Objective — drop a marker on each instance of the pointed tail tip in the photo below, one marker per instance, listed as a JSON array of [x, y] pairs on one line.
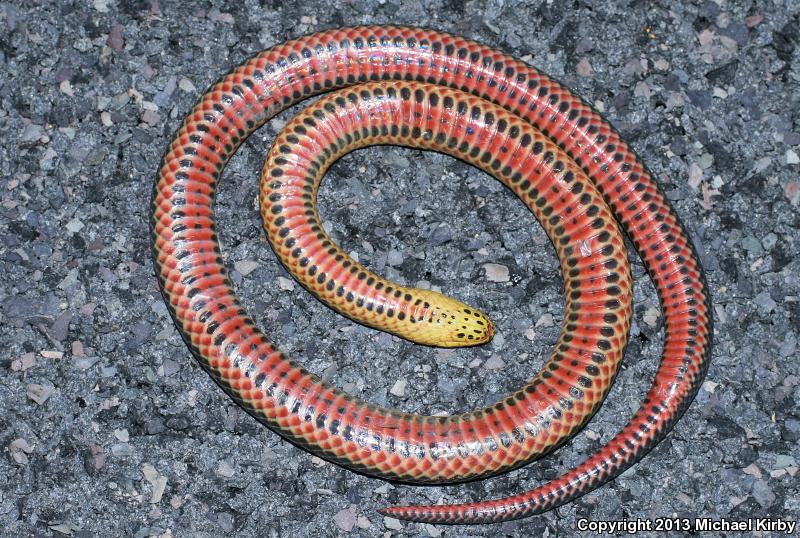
[[397, 512], [426, 514], [404, 513]]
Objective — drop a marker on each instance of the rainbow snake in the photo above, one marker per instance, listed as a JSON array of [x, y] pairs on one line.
[[427, 89]]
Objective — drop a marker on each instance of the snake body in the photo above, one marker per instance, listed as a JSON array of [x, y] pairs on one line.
[[388, 443], [554, 404]]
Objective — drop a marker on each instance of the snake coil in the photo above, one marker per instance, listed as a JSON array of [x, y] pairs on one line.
[[429, 89]]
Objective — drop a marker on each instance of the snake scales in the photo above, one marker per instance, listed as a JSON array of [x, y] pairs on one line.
[[428, 89]]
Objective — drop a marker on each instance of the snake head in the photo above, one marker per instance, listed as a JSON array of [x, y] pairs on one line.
[[468, 327], [451, 323]]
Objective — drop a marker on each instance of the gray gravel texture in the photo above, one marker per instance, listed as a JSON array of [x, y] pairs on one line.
[[110, 428]]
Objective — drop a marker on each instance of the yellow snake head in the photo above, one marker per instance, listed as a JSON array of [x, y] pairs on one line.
[[451, 323]]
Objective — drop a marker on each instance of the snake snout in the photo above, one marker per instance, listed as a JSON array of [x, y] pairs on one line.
[[474, 327], [489, 332]]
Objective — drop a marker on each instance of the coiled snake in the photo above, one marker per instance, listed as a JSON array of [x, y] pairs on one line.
[[427, 89]]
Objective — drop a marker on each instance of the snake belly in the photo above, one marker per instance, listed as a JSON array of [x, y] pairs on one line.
[[280, 393]]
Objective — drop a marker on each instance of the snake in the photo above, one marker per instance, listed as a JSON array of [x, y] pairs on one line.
[[429, 89], [547, 410]]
